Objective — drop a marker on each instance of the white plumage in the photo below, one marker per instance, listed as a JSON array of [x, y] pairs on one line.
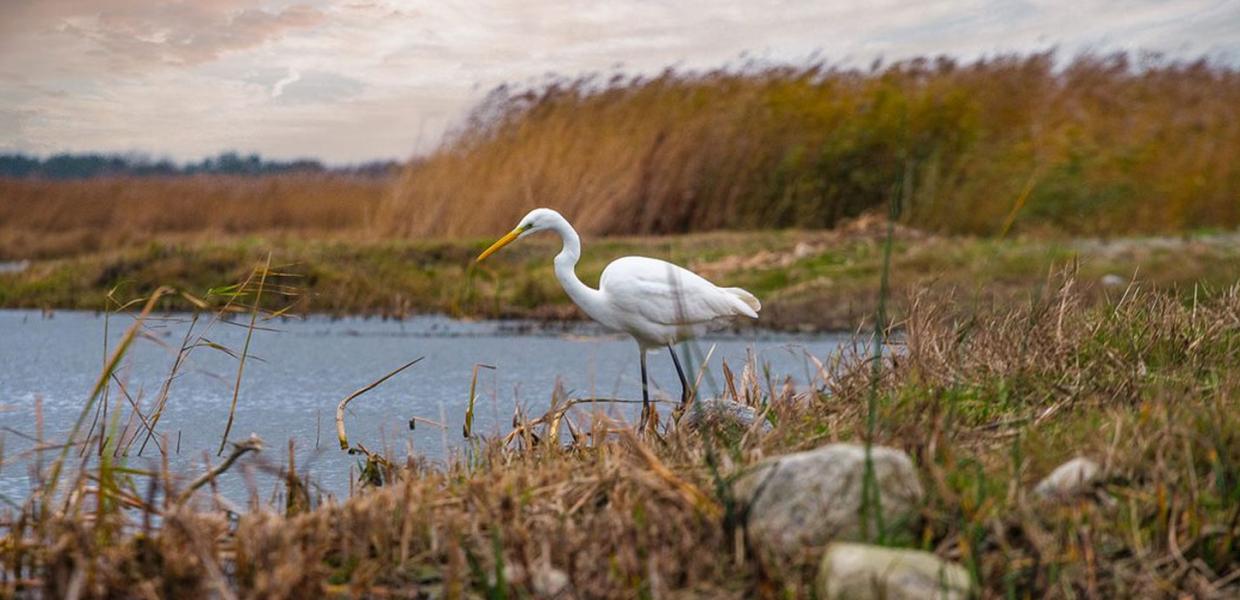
[[659, 303], [656, 302]]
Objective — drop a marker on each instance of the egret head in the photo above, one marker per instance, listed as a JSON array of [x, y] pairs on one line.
[[539, 219]]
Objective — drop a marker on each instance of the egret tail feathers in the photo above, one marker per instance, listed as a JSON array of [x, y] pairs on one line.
[[750, 301]]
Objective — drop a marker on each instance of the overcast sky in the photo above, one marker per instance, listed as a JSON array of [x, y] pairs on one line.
[[354, 80]]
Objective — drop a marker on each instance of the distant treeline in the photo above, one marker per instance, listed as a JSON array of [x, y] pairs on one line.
[[87, 165], [1094, 145]]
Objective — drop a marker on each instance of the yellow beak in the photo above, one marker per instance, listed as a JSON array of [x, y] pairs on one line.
[[500, 243]]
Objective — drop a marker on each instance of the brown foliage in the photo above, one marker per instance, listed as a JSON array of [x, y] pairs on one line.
[[1099, 145], [41, 218]]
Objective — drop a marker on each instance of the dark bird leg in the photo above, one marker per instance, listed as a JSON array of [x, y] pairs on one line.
[[684, 383], [645, 394]]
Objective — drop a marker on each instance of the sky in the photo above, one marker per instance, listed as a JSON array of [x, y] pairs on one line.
[[347, 81]]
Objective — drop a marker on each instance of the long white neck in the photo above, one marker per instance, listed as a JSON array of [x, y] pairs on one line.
[[589, 299]]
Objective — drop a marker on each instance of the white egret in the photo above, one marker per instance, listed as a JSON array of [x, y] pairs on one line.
[[656, 302]]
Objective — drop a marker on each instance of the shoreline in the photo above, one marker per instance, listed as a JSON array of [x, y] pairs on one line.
[[808, 281], [501, 326]]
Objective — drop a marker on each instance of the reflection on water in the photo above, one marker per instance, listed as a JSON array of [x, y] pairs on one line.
[[301, 368]]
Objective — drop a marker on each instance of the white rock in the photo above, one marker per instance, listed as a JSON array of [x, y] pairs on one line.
[[1113, 280], [717, 411], [861, 572], [549, 582], [799, 502], [1072, 478], [14, 266]]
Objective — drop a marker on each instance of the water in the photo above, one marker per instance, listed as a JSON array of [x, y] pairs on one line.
[[300, 370]]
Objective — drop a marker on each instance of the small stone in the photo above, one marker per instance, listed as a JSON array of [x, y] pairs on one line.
[[549, 582], [861, 572], [1073, 478], [713, 412], [798, 502], [512, 573]]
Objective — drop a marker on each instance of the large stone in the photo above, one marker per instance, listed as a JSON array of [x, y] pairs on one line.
[[798, 502], [1074, 478], [861, 572]]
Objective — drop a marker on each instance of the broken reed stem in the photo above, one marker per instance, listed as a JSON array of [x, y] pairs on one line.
[[245, 349], [340, 434], [150, 427], [253, 444]]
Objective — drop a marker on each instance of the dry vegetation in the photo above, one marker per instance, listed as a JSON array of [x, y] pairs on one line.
[[985, 405], [1097, 146], [1100, 145], [46, 219]]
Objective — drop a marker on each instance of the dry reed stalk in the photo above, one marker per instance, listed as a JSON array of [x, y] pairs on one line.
[[245, 350], [468, 427]]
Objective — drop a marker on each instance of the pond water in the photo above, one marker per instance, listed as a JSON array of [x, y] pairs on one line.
[[301, 368]]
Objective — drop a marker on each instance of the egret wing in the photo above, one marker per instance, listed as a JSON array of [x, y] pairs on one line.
[[664, 293]]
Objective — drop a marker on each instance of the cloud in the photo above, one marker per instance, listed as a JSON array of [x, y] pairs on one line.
[[315, 87], [132, 32], [181, 33], [277, 89], [349, 80]]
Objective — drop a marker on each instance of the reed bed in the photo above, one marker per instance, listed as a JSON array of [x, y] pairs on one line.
[[1096, 145], [1109, 144], [47, 219], [986, 405]]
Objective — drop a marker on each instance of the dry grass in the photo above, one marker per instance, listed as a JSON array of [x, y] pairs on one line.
[[1103, 145], [986, 405], [44, 219]]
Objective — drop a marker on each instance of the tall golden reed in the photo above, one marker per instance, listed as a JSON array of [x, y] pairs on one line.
[[1099, 144]]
